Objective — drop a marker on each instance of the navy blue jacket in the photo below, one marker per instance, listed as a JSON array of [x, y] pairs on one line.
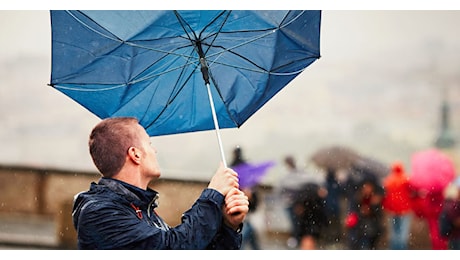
[[115, 215]]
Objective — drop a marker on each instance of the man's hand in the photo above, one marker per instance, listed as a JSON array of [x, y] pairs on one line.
[[236, 208], [224, 180]]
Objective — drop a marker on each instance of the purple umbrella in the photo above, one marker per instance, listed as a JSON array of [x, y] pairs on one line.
[[251, 174]]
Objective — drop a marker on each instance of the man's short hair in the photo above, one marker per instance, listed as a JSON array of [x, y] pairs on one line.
[[109, 142]]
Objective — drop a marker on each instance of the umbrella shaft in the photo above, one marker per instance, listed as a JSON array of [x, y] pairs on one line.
[[216, 125]]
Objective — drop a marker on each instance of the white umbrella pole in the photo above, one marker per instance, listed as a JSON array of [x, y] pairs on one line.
[[205, 73], [216, 125]]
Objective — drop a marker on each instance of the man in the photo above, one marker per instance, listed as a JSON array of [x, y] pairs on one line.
[[119, 211]]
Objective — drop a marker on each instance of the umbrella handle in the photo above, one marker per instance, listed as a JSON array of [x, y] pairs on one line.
[[216, 125]]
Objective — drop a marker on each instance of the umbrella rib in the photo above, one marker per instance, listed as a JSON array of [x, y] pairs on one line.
[[269, 32], [114, 38], [173, 97], [262, 70], [214, 35], [170, 99], [182, 73], [215, 19], [117, 40], [128, 42], [66, 87], [230, 50], [188, 57], [214, 61], [196, 38], [293, 19], [188, 62], [183, 23], [222, 98], [124, 84]]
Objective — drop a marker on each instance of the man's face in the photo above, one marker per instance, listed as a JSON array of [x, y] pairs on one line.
[[150, 165]]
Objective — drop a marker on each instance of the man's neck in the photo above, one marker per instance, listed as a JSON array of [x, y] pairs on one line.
[[134, 178]]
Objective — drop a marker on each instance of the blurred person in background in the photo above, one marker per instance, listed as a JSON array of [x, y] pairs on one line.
[[250, 234], [449, 219], [291, 190], [287, 190], [396, 202], [364, 221], [427, 206], [332, 207], [310, 212]]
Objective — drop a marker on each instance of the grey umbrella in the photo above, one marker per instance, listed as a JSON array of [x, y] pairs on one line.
[[335, 157]]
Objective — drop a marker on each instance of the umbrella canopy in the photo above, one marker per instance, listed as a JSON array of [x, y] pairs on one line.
[[250, 174], [373, 166], [335, 157], [180, 71], [358, 168], [366, 169], [432, 170]]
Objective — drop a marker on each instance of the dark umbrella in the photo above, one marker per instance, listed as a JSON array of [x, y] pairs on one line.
[[367, 169], [358, 168], [335, 157], [180, 71], [372, 166]]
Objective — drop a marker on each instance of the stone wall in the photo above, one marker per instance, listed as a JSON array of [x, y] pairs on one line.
[[50, 192]]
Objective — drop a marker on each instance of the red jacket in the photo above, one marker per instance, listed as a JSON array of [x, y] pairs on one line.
[[397, 191]]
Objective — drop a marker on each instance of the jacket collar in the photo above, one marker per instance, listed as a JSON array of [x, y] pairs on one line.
[[131, 192]]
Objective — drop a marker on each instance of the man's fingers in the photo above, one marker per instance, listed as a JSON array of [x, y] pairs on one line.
[[236, 202]]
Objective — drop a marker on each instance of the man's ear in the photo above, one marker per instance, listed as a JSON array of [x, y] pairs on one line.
[[134, 154]]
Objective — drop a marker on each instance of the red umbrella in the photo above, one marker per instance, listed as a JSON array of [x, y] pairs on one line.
[[432, 170]]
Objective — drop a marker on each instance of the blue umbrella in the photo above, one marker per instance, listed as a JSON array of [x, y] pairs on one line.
[[180, 71]]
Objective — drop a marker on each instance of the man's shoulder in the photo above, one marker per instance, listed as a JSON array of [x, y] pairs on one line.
[[97, 197], [89, 207]]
